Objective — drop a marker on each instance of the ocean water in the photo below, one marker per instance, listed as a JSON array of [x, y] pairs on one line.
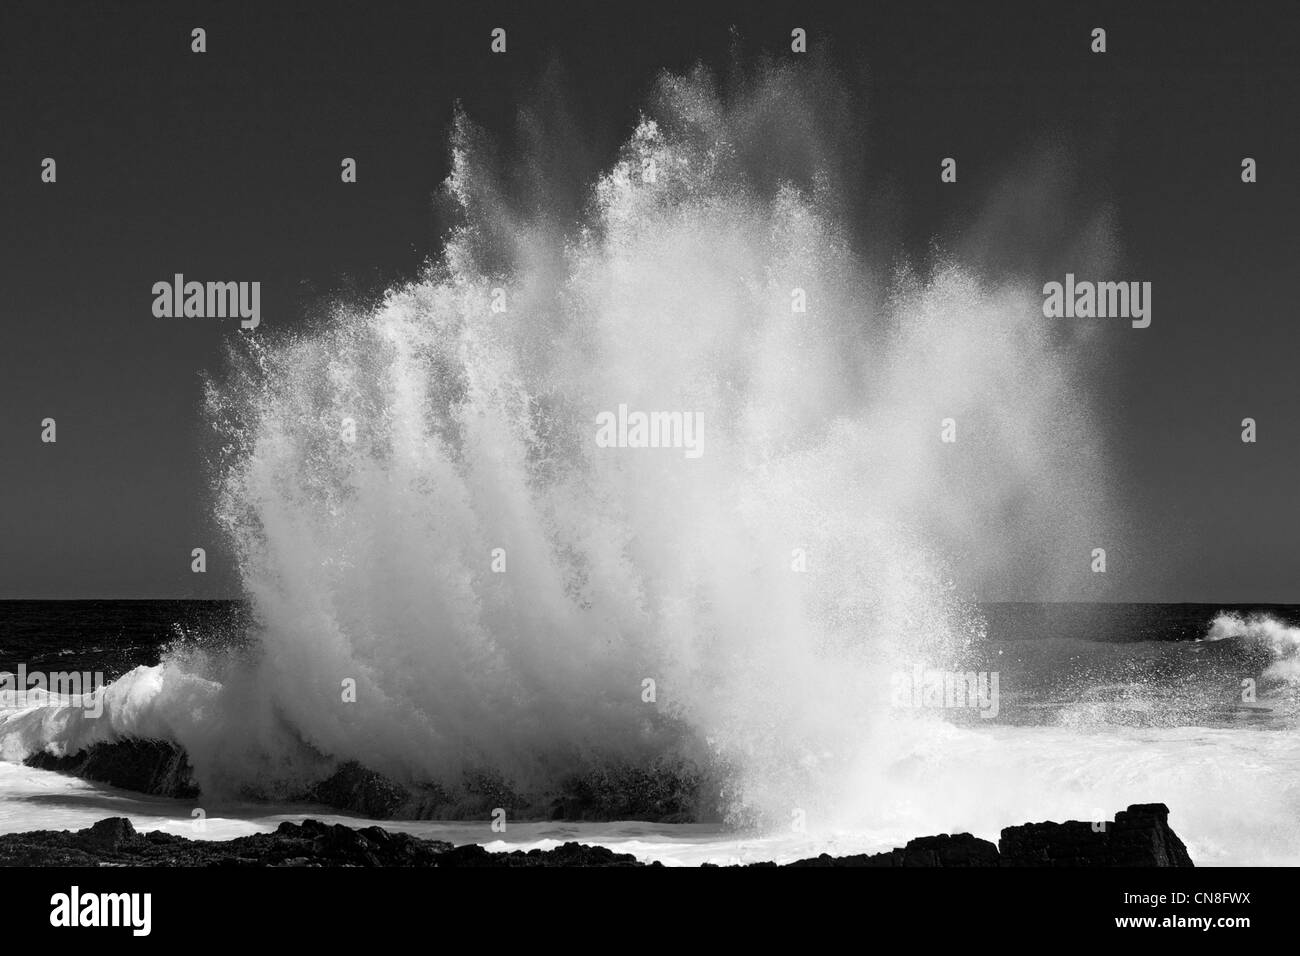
[[1100, 706]]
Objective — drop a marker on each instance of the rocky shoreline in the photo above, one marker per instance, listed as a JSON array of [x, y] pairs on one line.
[[1138, 836]]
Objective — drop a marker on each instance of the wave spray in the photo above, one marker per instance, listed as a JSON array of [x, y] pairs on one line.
[[455, 581]]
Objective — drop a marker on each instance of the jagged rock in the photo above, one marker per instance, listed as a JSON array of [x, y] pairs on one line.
[[567, 854], [148, 766], [354, 788], [114, 841], [109, 835], [1139, 836], [958, 849]]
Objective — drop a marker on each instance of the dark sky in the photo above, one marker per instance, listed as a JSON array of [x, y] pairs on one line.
[[226, 165]]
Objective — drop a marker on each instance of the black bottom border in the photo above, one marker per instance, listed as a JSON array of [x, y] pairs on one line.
[[306, 905]]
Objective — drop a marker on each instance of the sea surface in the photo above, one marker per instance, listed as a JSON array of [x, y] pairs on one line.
[[1099, 706]]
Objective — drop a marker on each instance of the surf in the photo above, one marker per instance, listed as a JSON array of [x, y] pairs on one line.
[[769, 588]]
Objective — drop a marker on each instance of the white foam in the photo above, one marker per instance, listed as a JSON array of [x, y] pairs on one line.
[[1280, 639]]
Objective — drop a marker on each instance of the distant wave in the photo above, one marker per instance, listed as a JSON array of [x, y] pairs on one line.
[[1280, 639]]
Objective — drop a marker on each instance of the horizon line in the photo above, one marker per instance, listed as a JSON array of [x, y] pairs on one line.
[[242, 599]]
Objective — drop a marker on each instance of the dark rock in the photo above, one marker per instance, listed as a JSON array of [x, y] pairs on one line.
[[959, 849], [354, 788], [110, 834], [663, 792], [1139, 836], [567, 854], [471, 854], [148, 766], [312, 843]]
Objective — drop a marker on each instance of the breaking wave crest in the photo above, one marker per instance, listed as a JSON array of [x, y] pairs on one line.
[[1279, 639]]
